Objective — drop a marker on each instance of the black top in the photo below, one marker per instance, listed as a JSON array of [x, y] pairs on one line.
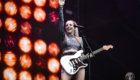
[[67, 41]]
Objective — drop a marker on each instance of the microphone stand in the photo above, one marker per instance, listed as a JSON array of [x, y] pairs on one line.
[[89, 49]]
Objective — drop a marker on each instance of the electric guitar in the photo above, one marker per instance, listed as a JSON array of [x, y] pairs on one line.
[[72, 63]]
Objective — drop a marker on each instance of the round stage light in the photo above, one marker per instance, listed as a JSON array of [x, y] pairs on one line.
[[26, 1], [25, 12], [53, 65], [26, 28], [39, 76], [9, 74], [40, 63], [53, 49], [53, 4], [25, 75], [53, 17], [10, 24], [40, 47], [25, 44], [0, 23], [10, 58], [39, 14], [10, 41], [40, 3], [10, 8], [0, 6], [25, 61], [53, 77]]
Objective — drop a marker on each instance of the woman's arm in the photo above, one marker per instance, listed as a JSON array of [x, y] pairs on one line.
[[61, 20]]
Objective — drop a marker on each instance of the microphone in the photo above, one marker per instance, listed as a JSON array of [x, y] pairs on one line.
[[79, 26]]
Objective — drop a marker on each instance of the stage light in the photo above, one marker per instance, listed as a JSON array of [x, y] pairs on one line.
[[40, 47], [53, 65], [53, 17], [39, 76], [10, 24], [0, 6], [26, 28], [9, 74], [10, 58], [25, 12], [40, 3], [25, 44], [53, 49], [40, 62], [39, 14], [25, 75], [0, 23], [10, 41], [25, 61], [53, 77], [26, 1], [10, 8], [53, 4]]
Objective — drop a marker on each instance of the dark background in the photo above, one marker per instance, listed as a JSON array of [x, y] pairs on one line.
[[106, 22]]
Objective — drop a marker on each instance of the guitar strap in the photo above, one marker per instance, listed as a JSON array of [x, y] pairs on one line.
[[79, 41]]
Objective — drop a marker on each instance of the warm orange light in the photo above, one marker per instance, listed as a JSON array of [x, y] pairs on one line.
[[53, 77], [53, 4], [10, 24], [0, 6], [0, 23], [26, 1], [25, 44], [53, 65], [39, 76], [40, 47], [39, 14], [25, 75], [9, 74], [26, 28], [53, 49], [9, 58], [25, 12], [40, 3], [25, 61], [10, 8]]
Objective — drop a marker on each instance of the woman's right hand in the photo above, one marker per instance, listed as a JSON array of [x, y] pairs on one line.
[[61, 2]]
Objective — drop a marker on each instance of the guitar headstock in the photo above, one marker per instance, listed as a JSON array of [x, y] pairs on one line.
[[107, 47]]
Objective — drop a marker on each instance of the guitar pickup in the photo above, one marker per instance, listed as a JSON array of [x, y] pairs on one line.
[[76, 61], [70, 64]]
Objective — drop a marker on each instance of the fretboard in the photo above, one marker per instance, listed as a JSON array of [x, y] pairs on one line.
[[94, 52]]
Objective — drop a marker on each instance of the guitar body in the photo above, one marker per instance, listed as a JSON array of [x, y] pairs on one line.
[[72, 63]]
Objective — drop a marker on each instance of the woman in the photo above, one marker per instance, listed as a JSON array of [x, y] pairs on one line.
[[69, 44]]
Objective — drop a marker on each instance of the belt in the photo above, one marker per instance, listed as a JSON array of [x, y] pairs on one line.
[[69, 53]]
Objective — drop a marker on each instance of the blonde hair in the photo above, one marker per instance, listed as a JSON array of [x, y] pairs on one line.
[[76, 32]]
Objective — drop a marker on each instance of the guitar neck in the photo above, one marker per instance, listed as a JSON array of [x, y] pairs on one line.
[[94, 52]]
